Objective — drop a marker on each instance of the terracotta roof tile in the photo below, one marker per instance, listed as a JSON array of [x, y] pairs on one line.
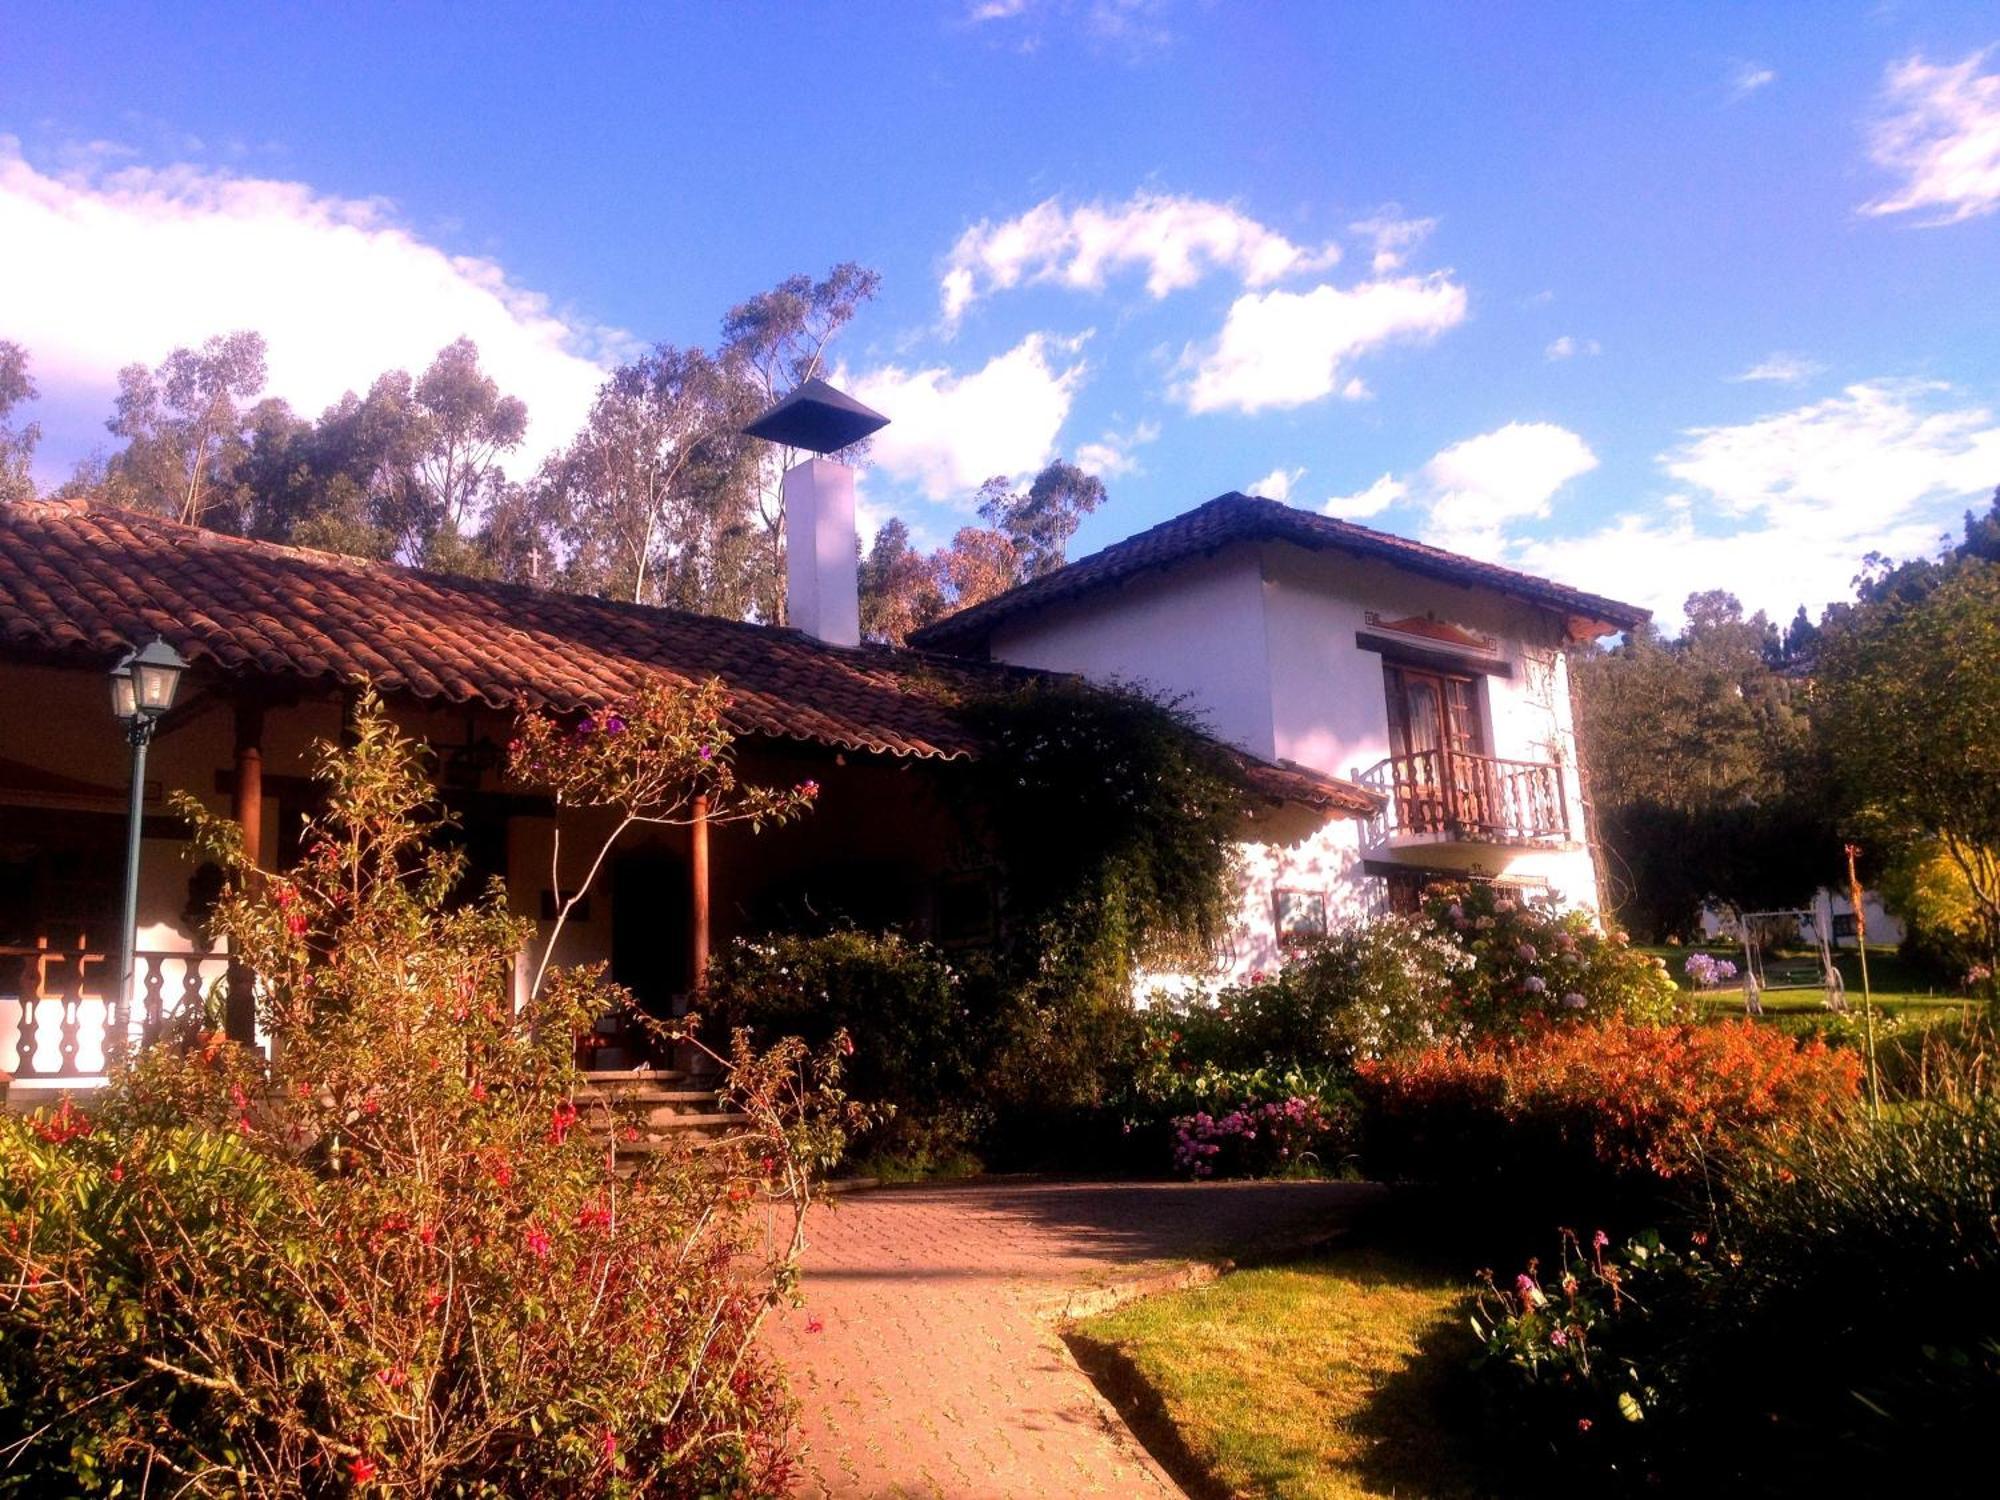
[[77, 578], [1239, 518]]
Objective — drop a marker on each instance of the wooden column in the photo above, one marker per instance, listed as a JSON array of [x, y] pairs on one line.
[[246, 806], [698, 893]]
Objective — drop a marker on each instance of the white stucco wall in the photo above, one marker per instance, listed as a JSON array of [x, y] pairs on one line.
[[1197, 630], [1261, 640]]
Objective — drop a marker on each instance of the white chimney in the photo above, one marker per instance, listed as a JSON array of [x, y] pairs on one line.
[[822, 593], [822, 596]]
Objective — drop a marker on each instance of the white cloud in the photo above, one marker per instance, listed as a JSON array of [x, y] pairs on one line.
[[1476, 487], [1748, 77], [1378, 497], [1281, 348], [1792, 502], [1850, 463], [1176, 241], [1277, 485], [948, 433], [103, 268], [1939, 133], [1393, 238], [1781, 369], [1568, 347], [1111, 455]]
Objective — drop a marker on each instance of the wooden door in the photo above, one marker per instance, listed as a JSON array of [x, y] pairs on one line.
[[1433, 729]]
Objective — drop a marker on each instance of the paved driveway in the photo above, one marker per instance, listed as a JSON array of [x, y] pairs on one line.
[[926, 1357]]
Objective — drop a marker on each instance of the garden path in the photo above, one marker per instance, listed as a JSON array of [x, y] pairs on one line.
[[926, 1356]]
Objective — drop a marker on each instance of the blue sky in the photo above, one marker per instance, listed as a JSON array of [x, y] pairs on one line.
[[1648, 299]]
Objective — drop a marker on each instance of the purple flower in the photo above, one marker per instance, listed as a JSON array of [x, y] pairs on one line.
[[708, 752], [1527, 953], [613, 724], [1534, 984], [1574, 1000]]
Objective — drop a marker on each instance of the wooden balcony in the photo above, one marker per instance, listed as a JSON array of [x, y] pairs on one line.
[[1449, 796], [52, 1003]]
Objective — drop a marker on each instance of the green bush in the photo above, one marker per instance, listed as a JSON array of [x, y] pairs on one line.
[[924, 1032]]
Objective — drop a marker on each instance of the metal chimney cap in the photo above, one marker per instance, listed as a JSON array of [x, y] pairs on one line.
[[819, 418]]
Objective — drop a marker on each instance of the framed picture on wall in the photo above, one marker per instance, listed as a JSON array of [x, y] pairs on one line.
[[1300, 915]]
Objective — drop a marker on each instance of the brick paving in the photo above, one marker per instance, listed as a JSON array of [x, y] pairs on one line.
[[927, 1359]]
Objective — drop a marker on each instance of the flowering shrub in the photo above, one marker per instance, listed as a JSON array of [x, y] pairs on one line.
[[1653, 1102], [397, 1258], [1575, 1360], [1531, 962], [1835, 1329], [1254, 1141], [651, 760], [1707, 971]]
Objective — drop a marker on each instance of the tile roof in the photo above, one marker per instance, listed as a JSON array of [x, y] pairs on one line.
[[85, 582], [1239, 518]]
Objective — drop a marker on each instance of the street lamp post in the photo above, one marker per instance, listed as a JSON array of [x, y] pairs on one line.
[[142, 690]]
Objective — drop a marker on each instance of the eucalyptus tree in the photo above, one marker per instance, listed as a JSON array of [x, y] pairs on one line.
[[771, 344], [184, 427], [650, 499], [17, 443]]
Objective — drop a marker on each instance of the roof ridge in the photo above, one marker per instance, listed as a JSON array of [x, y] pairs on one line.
[[1236, 517]]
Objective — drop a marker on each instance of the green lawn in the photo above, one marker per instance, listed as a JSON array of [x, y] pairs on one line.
[[1321, 1380], [1896, 987]]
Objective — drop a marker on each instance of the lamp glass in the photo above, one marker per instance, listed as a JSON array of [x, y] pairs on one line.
[[124, 696], [156, 686]]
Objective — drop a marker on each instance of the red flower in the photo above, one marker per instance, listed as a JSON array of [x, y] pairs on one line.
[[295, 923], [562, 1122], [536, 1242], [814, 1325], [609, 1443], [360, 1470], [1583, 1424]]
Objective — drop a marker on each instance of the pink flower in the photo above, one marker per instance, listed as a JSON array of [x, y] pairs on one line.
[[1599, 1240], [536, 1242]]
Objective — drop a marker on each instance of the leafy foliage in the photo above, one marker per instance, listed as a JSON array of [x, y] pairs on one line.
[[397, 1258], [1836, 1330], [1600, 1101], [17, 443], [1114, 819], [924, 1032], [1027, 535], [1913, 718], [1704, 768]]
